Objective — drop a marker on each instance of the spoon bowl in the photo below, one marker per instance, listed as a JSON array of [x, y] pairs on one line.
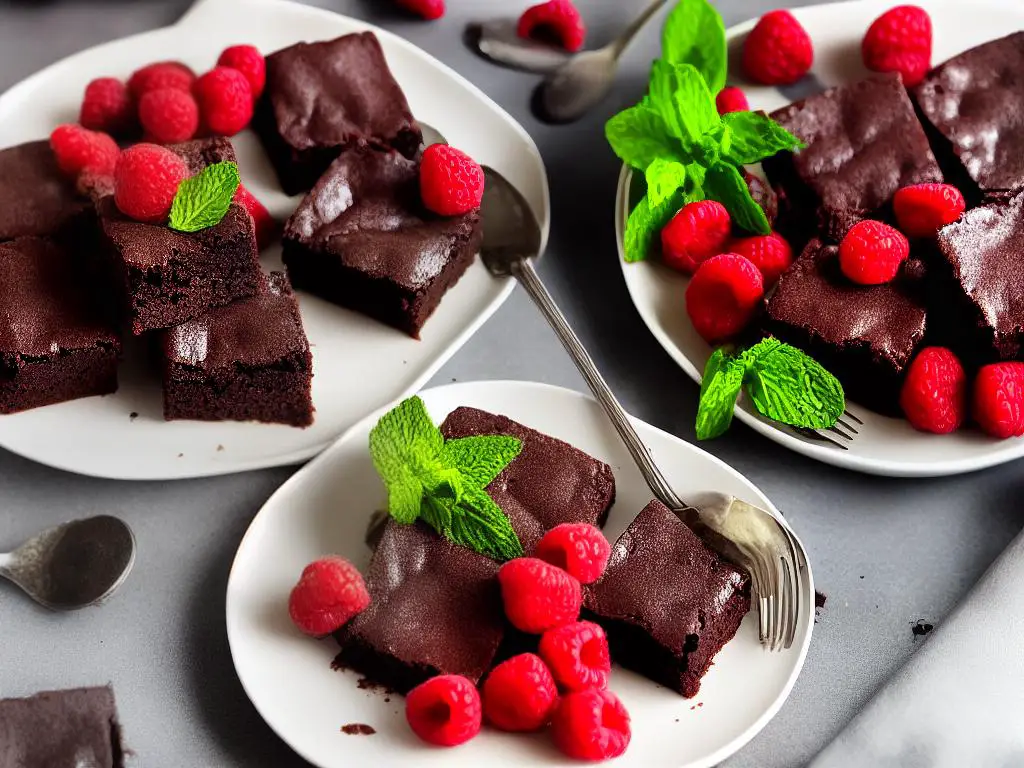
[[580, 85]]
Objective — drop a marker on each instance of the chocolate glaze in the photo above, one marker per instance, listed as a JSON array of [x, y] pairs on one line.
[[975, 103], [35, 197]]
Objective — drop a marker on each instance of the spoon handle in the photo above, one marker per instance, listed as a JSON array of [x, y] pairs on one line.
[[631, 31], [530, 280]]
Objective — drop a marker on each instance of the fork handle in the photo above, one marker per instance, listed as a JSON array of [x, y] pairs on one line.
[[524, 271]]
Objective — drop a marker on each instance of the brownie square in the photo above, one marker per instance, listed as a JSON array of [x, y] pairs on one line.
[[667, 602], [548, 483], [363, 239], [56, 341], [322, 98], [77, 727], [435, 609], [974, 106], [864, 142], [36, 199], [164, 277], [248, 361], [865, 335]]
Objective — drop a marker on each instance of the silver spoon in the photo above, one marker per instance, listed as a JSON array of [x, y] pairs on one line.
[[73, 565], [571, 91], [499, 41]]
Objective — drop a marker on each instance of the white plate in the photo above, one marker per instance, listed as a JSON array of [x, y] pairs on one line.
[[325, 508], [359, 364], [885, 446]]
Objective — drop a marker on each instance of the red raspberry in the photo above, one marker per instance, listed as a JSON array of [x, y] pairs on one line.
[[731, 99], [577, 655], [770, 253], [934, 395], [900, 40], [266, 226], [872, 252], [778, 50], [723, 296], [329, 594], [537, 595], [428, 9], [698, 232], [520, 694], [225, 100], [107, 106], [146, 179], [77, 149], [451, 182], [554, 21], [168, 116], [444, 711], [923, 209], [162, 74], [591, 725], [250, 62], [579, 549], [999, 399]]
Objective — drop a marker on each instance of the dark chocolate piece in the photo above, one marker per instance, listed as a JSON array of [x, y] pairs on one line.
[[36, 199]]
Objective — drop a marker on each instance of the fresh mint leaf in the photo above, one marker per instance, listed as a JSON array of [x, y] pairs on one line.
[[678, 92], [664, 178], [404, 446], [646, 222], [721, 385], [724, 183], [639, 136], [203, 200], [695, 175], [481, 458], [750, 137], [694, 34], [789, 386], [481, 525]]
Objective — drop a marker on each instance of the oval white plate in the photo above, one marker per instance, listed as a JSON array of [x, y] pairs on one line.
[[885, 446], [359, 365], [325, 509]]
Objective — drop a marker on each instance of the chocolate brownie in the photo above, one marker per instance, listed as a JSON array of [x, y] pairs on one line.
[[865, 335], [435, 609], [864, 142], [248, 361], [974, 106], [35, 197], [322, 98], [77, 727], [363, 239], [548, 483], [667, 602], [164, 277], [56, 341]]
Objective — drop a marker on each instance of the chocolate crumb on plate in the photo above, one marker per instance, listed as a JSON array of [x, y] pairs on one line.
[[920, 628], [358, 729]]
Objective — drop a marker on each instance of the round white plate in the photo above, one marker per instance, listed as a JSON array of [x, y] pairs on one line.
[[885, 446], [325, 509], [359, 364]]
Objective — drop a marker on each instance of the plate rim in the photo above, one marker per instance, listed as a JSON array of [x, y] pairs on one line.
[[535, 388]]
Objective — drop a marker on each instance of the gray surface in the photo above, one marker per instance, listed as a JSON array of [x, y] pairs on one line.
[[885, 552]]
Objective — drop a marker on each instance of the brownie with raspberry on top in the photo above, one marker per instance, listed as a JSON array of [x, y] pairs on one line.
[[323, 98], [36, 198], [667, 601]]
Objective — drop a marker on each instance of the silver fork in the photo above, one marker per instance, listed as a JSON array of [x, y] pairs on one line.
[[838, 429]]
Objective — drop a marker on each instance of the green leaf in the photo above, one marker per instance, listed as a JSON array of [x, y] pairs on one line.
[[482, 458], [750, 137], [695, 175], [719, 388], [788, 386], [694, 34], [203, 200], [646, 222], [482, 526], [639, 136], [679, 93], [664, 177], [724, 183]]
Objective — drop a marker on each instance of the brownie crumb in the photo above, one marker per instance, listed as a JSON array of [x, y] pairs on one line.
[[133, 416], [220, 448], [181, 455], [920, 628], [819, 599], [358, 729]]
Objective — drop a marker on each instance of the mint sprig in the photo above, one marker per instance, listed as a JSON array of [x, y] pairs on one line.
[[443, 483], [694, 34], [784, 384], [203, 200]]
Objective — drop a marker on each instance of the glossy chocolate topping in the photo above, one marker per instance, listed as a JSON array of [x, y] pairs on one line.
[[257, 331], [662, 577], [366, 210], [550, 482], [35, 197], [46, 304], [976, 101]]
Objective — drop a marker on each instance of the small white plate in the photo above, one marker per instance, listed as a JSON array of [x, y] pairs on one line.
[[359, 364], [885, 446], [325, 508]]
